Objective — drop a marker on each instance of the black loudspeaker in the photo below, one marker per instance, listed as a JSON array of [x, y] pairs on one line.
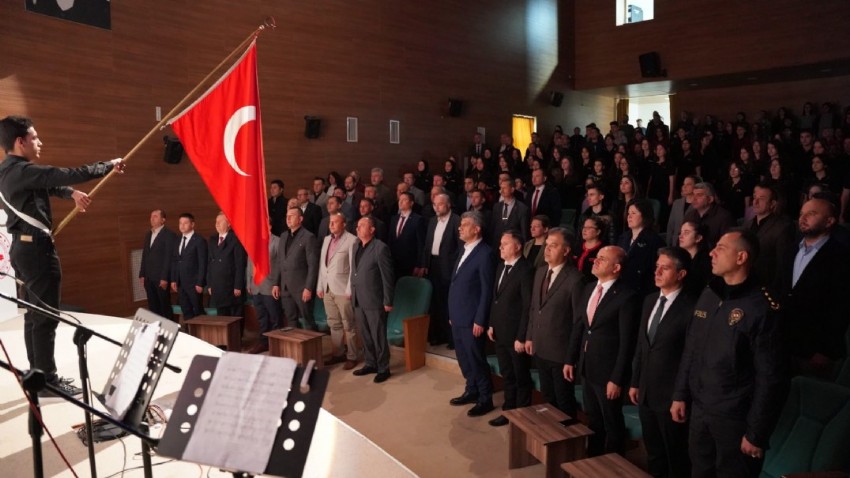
[[556, 98], [173, 150], [650, 65], [312, 125], [455, 108]]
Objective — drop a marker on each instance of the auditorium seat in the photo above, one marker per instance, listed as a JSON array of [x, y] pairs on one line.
[[656, 207], [812, 431], [568, 218], [634, 430], [319, 316], [412, 298], [843, 368]]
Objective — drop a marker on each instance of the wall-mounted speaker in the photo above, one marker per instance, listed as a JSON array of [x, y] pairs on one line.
[[650, 65], [173, 150], [455, 107], [556, 98], [312, 125]]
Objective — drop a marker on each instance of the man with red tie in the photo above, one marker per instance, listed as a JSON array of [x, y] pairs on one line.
[[545, 199], [602, 348], [407, 236]]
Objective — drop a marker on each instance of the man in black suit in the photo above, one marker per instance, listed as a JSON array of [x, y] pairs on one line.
[[226, 270], [554, 304], [407, 237], [372, 288], [189, 267], [367, 206], [296, 271], [469, 313], [509, 323], [602, 348], [436, 261], [706, 212], [544, 199], [661, 339], [277, 207], [155, 269], [509, 214], [312, 213], [477, 148], [775, 233], [813, 289]]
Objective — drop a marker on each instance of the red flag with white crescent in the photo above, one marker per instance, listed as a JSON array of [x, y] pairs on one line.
[[223, 137]]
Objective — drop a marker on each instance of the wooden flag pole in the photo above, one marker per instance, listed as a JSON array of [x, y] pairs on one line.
[[268, 23]]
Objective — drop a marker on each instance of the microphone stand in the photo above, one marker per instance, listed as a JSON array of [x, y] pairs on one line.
[[82, 334]]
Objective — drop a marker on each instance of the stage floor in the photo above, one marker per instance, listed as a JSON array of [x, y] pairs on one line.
[[337, 450]]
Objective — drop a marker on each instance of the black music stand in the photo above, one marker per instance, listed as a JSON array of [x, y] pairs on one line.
[[290, 449]]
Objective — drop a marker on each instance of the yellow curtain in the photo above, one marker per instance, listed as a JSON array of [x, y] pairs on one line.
[[623, 109], [523, 126]]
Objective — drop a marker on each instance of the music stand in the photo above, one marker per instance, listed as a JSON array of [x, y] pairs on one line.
[[290, 449]]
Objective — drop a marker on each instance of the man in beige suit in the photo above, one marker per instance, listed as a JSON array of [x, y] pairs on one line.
[[334, 288]]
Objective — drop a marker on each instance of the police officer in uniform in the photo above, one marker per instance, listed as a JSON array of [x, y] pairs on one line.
[[732, 378]]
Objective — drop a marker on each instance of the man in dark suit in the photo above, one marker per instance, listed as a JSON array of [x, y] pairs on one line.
[[226, 270], [554, 303], [155, 269], [706, 212], [436, 262], [407, 237], [509, 322], [469, 312], [661, 339], [477, 148], [296, 271], [602, 348], [189, 268], [775, 233], [813, 290], [277, 207], [509, 214], [544, 199], [311, 212], [372, 288], [367, 207]]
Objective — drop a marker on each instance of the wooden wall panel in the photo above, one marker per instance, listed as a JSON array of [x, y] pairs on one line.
[[92, 94], [708, 38], [724, 103]]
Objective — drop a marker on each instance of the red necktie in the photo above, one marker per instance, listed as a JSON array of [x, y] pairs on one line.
[[534, 202], [220, 240]]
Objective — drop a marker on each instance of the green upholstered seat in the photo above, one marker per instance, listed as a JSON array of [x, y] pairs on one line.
[[813, 430], [412, 298], [319, 316], [634, 430], [493, 361]]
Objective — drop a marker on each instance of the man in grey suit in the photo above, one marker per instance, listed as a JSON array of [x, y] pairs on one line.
[[508, 214], [372, 287], [266, 305], [555, 298], [334, 289], [679, 208], [295, 272], [776, 234]]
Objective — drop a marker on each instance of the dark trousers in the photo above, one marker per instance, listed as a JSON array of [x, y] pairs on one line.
[[715, 447], [555, 389], [191, 302], [439, 329], [37, 264], [666, 444], [295, 308], [473, 363], [605, 418], [268, 314], [516, 376], [159, 299], [372, 326]]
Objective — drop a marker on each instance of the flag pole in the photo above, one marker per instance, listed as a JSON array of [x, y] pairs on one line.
[[269, 23]]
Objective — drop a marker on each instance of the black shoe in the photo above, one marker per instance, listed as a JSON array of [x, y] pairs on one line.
[[499, 421], [365, 371], [49, 396], [67, 380], [481, 409], [382, 377], [464, 399]]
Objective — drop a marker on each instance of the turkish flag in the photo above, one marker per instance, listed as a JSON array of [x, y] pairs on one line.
[[223, 137]]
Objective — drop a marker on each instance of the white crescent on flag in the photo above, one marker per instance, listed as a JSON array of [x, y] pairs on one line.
[[242, 116]]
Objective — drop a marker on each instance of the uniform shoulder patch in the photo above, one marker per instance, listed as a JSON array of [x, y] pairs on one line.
[[774, 305]]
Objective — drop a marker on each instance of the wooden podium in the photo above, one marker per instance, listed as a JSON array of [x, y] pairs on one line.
[[217, 330], [611, 465], [536, 435], [298, 344]]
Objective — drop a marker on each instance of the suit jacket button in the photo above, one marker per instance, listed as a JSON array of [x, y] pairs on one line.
[[589, 332]]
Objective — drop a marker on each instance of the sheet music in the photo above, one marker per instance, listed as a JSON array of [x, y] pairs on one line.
[[239, 418], [126, 384]]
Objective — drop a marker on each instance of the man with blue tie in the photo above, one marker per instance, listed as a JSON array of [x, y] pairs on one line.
[[469, 306], [189, 268]]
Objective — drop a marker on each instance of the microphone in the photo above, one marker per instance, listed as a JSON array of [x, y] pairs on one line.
[[17, 281]]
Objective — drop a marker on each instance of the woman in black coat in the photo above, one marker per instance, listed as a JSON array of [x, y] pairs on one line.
[[641, 244]]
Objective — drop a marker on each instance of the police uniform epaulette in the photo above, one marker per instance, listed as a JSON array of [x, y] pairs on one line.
[[773, 304]]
